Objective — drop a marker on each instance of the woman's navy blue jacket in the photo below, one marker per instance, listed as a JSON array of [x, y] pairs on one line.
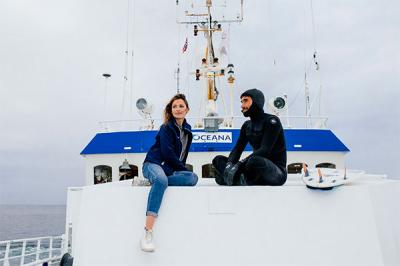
[[168, 147]]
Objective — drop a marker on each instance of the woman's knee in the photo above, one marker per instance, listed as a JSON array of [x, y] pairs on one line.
[[192, 179], [161, 181]]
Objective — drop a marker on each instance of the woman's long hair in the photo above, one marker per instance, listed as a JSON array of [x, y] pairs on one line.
[[168, 109]]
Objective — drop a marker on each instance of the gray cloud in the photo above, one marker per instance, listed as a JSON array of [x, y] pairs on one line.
[[52, 55]]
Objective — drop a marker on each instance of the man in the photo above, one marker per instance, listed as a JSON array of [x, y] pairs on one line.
[[267, 164]]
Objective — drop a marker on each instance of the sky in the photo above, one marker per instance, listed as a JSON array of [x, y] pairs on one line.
[[53, 54]]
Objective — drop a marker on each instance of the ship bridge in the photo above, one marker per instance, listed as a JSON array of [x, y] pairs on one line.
[[106, 153]]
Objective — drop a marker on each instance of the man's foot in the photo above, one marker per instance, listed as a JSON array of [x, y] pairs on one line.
[[219, 179], [242, 180], [228, 179], [146, 243]]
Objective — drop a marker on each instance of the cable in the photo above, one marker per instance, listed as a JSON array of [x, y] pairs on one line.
[[132, 61], [126, 60]]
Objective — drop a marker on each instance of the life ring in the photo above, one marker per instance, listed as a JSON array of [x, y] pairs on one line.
[[66, 260]]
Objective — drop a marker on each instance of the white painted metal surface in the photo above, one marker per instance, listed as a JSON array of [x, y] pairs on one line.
[[198, 159], [357, 224]]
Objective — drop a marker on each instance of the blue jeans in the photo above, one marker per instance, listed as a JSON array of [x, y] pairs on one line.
[[159, 182]]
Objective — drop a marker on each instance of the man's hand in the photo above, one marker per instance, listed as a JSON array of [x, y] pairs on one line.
[[231, 173]]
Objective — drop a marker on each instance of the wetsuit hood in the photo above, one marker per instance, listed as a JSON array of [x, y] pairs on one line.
[[257, 107]]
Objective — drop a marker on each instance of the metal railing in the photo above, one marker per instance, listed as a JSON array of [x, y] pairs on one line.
[[32, 251], [226, 122]]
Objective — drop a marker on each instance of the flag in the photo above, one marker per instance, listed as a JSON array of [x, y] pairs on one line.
[[185, 46]]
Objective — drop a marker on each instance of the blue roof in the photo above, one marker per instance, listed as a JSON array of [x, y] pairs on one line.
[[223, 140]]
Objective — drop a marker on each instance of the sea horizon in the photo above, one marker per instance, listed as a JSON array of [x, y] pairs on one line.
[[20, 221]]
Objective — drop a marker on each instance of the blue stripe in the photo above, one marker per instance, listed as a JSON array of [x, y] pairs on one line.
[[141, 141]]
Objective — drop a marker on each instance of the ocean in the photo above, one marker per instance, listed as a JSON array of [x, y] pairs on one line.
[[26, 221]]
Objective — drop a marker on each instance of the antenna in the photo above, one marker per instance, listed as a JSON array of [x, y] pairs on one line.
[[177, 72], [307, 97], [106, 77], [210, 68]]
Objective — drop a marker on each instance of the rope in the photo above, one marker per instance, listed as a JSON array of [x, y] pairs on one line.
[[301, 85], [269, 28], [313, 27], [126, 60], [179, 52], [228, 43], [189, 61], [132, 60], [222, 98], [317, 66], [304, 43]]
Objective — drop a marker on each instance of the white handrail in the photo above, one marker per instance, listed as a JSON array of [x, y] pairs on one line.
[[196, 122], [20, 249]]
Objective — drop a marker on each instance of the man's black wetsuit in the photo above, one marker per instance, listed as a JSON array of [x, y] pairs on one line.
[[267, 164]]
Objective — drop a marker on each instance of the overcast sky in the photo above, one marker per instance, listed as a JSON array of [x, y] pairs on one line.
[[53, 52]]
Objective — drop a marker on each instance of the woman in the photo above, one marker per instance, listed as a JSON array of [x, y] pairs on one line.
[[164, 164]]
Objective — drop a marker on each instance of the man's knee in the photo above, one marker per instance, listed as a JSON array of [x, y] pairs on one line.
[[261, 171], [256, 162], [254, 168], [219, 161], [220, 180], [278, 180]]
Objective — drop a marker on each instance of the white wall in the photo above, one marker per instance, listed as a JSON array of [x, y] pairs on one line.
[[357, 224], [197, 159]]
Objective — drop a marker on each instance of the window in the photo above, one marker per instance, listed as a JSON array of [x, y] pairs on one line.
[[295, 168], [326, 165], [208, 171], [125, 174], [189, 167], [102, 174]]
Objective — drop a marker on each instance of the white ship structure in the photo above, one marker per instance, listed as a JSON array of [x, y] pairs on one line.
[[355, 224]]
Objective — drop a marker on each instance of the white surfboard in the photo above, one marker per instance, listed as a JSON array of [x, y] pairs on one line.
[[326, 179]]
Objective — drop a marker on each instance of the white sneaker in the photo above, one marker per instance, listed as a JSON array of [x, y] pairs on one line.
[[140, 182], [146, 243]]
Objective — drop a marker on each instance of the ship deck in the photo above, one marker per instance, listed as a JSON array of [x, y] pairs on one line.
[[355, 224]]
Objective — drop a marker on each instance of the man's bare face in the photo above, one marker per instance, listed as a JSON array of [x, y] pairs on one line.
[[246, 103]]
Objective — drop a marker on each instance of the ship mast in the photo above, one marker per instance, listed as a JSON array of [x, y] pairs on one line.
[[212, 92], [210, 69]]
